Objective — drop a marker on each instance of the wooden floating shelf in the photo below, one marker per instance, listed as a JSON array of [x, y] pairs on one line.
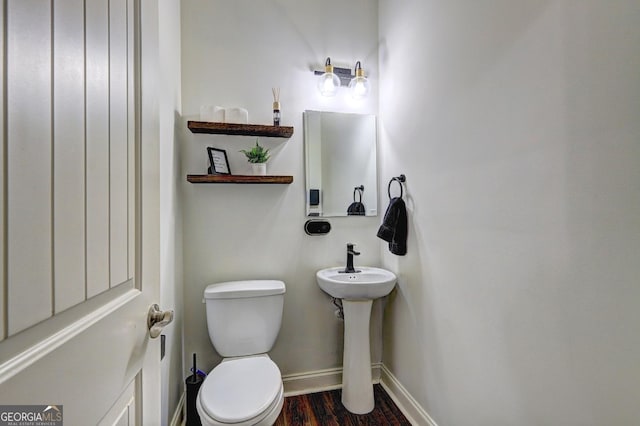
[[239, 179], [240, 129]]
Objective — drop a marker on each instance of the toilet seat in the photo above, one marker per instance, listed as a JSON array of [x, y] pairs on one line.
[[241, 390]]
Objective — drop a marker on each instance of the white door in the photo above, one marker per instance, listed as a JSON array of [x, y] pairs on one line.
[[79, 210]]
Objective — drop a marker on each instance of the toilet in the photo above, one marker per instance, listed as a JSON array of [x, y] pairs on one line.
[[243, 319]]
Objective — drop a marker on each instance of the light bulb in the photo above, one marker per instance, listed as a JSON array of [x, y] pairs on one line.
[[359, 85], [328, 83]]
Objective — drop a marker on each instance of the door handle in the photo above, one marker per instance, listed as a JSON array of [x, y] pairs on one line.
[[157, 319]]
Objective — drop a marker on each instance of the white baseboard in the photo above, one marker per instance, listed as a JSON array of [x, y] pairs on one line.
[[403, 399], [178, 415], [312, 381], [320, 380]]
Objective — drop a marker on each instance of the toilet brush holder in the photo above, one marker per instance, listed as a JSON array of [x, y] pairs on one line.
[[193, 384]]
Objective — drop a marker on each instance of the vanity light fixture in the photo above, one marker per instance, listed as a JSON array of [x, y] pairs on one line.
[[333, 77], [359, 85]]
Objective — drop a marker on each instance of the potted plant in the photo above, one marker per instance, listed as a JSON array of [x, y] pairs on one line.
[[257, 157]]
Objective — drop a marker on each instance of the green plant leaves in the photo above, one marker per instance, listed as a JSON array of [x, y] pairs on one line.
[[257, 154]]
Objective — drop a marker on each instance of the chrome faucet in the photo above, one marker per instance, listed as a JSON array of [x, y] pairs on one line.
[[350, 253]]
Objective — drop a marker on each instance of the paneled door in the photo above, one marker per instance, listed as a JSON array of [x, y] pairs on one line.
[[79, 209]]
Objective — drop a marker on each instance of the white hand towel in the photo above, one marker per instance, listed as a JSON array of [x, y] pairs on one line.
[[236, 115], [212, 113]]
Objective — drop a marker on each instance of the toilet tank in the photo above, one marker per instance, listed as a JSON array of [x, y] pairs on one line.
[[244, 317]]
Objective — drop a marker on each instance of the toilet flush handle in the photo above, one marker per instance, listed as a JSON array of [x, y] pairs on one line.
[[157, 319]]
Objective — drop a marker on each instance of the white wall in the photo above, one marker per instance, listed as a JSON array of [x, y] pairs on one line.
[[519, 132], [233, 53], [171, 287]]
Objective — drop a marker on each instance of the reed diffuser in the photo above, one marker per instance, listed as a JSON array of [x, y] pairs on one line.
[[276, 105]]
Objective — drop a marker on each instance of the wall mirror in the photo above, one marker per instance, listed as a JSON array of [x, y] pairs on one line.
[[340, 156]]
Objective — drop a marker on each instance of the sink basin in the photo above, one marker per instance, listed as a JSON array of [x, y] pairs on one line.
[[369, 283]]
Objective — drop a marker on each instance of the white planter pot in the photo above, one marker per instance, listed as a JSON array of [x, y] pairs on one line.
[[259, 169]]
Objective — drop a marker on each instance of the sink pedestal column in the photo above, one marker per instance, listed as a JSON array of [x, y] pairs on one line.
[[357, 385]]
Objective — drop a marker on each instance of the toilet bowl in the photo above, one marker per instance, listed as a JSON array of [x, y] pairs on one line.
[[241, 391], [243, 319]]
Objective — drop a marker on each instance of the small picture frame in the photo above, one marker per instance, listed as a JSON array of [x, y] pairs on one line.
[[219, 162]]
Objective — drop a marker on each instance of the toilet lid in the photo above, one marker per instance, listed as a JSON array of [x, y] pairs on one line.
[[240, 389]]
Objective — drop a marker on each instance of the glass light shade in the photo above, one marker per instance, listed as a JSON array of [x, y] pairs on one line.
[[359, 87], [328, 84]]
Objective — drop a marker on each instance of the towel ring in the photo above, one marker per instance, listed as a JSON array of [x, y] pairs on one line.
[[400, 179], [359, 190]]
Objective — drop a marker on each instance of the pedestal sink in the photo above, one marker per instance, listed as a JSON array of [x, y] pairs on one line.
[[357, 291]]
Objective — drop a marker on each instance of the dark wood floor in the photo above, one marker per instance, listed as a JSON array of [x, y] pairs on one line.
[[326, 409]]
